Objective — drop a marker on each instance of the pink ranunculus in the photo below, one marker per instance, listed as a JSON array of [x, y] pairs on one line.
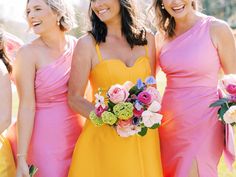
[[145, 98], [154, 93], [138, 113], [99, 110], [231, 89], [227, 80], [117, 94]]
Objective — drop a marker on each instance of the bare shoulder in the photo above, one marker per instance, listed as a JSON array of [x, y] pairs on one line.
[[219, 28], [86, 45], [27, 53]]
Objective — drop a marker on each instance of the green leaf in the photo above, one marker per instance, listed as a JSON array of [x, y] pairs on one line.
[[32, 170], [222, 111], [219, 102], [143, 131], [155, 126]]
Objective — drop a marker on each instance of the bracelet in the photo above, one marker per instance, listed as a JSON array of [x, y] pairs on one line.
[[21, 155]]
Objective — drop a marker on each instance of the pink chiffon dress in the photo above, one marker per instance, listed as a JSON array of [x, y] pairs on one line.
[[56, 126], [191, 134]]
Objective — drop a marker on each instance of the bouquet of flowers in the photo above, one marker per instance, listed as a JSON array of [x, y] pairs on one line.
[[227, 101], [131, 108]]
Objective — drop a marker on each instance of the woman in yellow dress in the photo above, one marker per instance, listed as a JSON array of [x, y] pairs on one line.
[[116, 50], [7, 165]]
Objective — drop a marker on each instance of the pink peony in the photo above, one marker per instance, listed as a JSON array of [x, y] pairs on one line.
[[124, 123], [231, 89], [126, 128], [99, 110], [145, 98], [117, 94], [154, 94]]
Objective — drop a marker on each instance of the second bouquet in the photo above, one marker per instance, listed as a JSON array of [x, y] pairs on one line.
[[129, 108]]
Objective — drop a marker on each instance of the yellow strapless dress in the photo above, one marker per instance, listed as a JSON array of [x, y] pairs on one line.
[[99, 151], [7, 164]]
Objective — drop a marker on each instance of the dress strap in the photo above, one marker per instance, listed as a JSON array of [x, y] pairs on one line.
[[98, 53], [146, 51]]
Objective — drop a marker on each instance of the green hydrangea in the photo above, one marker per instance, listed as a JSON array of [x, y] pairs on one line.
[[95, 119], [109, 118], [123, 111]]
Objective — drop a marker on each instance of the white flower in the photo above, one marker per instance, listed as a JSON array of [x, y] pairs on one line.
[[230, 115], [99, 101], [154, 107], [151, 118]]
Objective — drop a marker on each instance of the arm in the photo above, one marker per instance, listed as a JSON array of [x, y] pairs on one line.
[[5, 97], [25, 86], [152, 52], [158, 44], [80, 70], [223, 40]]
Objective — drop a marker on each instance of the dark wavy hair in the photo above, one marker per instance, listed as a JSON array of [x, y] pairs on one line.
[[134, 34], [3, 55], [166, 22]]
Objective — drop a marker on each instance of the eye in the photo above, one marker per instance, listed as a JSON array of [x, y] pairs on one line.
[[27, 12], [37, 9]]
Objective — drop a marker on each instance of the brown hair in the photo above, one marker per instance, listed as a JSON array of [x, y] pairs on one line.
[[166, 22]]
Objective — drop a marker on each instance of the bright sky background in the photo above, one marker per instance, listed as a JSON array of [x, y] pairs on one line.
[[14, 9]]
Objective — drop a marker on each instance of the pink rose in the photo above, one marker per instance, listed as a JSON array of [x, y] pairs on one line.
[[229, 83], [145, 98], [138, 113], [117, 94], [154, 93], [124, 123], [231, 89]]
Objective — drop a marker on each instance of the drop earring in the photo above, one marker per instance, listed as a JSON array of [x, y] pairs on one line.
[[162, 6]]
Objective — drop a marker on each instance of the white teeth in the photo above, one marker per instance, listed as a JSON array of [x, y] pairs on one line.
[[102, 11], [178, 7], [36, 23]]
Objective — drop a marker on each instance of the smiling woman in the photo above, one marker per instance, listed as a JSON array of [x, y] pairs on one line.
[[43, 111]]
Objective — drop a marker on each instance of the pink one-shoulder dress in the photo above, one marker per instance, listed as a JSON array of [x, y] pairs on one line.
[[56, 126], [191, 134]]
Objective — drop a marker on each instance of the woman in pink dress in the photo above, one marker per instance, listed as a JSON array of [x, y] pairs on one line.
[[47, 127], [192, 48]]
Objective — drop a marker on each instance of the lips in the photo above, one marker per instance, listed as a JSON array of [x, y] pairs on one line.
[[178, 9], [36, 23], [103, 11]]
